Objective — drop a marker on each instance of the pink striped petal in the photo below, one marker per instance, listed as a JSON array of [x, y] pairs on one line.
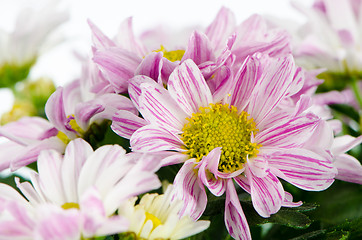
[[50, 176], [235, 219], [207, 167], [153, 139], [127, 40], [30, 128], [349, 168], [253, 36], [151, 66], [30, 153], [95, 220], [220, 28], [55, 223], [267, 193], [105, 105], [54, 109], [118, 65], [158, 107], [259, 166], [345, 143], [243, 182], [293, 133], [199, 49], [275, 78], [134, 88], [304, 169], [99, 39], [288, 201], [75, 155], [245, 81], [189, 188], [125, 123], [189, 87]]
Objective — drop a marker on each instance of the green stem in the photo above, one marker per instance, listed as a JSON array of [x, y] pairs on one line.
[[356, 91]]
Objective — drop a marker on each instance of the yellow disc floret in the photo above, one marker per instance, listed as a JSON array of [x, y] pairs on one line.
[[70, 205], [220, 125], [173, 56]]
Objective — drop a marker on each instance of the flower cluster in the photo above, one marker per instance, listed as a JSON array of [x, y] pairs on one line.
[[233, 119]]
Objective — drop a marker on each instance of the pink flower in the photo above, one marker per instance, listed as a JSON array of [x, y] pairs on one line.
[[235, 135], [332, 37], [84, 185], [71, 111], [214, 50]]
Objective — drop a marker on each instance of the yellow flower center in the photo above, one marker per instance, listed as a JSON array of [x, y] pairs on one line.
[[70, 205], [73, 124], [155, 221], [173, 56], [221, 126]]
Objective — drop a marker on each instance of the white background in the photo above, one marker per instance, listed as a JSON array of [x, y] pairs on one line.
[[60, 64]]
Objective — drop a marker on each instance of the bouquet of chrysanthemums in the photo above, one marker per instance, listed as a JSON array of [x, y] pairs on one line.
[[245, 130]]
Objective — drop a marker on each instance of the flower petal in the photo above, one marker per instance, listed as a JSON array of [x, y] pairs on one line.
[[189, 188], [151, 66], [125, 123], [127, 40], [199, 49], [75, 155], [275, 78], [50, 178], [153, 139], [349, 168], [158, 107], [220, 28], [118, 65], [345, 143], [206, 170], [267, 193], [99, 39], [134, 88], [293, 133], [235, 219], [304, 169], [189, 87]]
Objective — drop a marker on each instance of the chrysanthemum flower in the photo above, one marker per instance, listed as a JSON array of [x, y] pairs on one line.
[[20, 48], [214, 50], [238, 135], [332, 37], [71, 111], [94, 183], [157, 217]]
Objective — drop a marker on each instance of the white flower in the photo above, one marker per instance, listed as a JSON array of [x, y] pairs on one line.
[[157, 217]]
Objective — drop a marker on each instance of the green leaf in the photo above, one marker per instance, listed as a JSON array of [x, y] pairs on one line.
[[291, 217]]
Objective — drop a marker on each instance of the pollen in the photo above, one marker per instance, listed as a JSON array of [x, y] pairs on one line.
[[70, 205], [173, 56], [155, 221], [221, 125]]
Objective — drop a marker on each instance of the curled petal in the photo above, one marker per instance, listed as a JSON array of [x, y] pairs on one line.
[[267, 193], [235, 219], [208, 166]]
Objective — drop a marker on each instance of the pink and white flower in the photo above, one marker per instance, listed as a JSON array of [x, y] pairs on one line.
[[71, 110], [332, 37], [236, 135], [214, 50], [84, 186]]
